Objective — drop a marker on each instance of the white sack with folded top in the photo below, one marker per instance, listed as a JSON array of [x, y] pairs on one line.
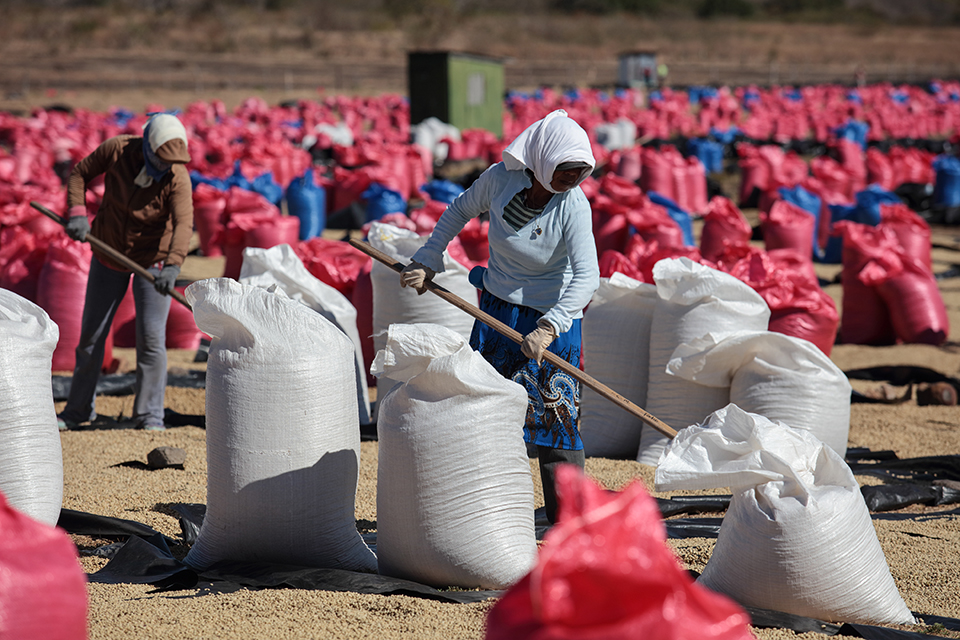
[[454, 490], [777, 376], [31, 460], [616, 352], [797, 536], [279, 266], [393, 304], [694, 300], [283, 442]]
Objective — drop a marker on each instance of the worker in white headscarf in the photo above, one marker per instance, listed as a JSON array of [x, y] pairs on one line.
[[147, 215], [542, 272]]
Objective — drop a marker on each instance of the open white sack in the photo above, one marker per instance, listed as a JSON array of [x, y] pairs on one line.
[[393, 304], [454, 492], [780, 377], [283, 447], [694, 300], [280, 266], [797, 536], [31, 460], [616, 351]]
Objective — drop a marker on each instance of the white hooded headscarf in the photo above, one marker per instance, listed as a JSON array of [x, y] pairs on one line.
[[547, 143], [157, 131]]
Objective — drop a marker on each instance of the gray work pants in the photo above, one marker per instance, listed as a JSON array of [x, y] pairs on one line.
[[549, 460], [105, 289]]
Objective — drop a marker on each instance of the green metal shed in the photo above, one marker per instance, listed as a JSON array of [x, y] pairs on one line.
[[462, 89]]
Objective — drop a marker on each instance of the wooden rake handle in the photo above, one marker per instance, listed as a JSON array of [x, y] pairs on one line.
[[515, 336], [113, 253]]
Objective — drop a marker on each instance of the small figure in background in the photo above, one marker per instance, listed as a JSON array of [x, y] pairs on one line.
[[860, 76]]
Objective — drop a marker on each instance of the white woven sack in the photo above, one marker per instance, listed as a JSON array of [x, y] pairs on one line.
[[797, 536], [780, 377], [279, 266], [616, 350], [31, 461], [393, 304], [454, 492], [283, 446], [694, 300]]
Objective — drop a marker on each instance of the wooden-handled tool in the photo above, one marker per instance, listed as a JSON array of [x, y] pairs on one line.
[[515, 336], [113, 253]]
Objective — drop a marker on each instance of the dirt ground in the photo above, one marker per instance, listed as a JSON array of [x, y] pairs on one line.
[[920, 542]]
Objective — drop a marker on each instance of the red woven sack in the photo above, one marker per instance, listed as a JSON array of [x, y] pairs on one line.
[[911, 230], [333, 262], [362, 300], [209, 217], [605, 572], [723, 224], [621, 190], [614, 229], [612, 262], [879, 170], [61, 291], [654, 224], [910, 291], [44, 591], [657, 173], [754, 171], [22, 255], [787, 226], [785, 279], [864, 318], [182, 330]]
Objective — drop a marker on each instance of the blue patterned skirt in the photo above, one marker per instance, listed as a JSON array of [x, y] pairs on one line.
[[553, 410]]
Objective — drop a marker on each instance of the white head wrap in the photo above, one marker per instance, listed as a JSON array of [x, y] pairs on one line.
[[547, 143], [159, 129]]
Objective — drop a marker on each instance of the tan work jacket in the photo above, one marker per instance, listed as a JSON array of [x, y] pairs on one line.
[[149, 224]]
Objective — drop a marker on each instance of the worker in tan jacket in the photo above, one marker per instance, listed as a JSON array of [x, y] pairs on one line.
[[146, 214]]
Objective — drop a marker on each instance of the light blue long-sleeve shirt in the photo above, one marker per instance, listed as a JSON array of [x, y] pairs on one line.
[[555, 272]]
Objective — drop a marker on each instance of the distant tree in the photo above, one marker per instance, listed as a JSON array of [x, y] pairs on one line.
[[607, 6], [799, 6], [715, 8]]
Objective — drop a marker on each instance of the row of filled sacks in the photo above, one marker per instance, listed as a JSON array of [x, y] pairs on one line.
[[886, 260], [781, 113], [52, 271], [890, 294], [310, 198], [885, 250], [690, 344], [766, 168], [373, 301], [784, 277], [622, 209], [797, 538], [804, 218], [283, 447]]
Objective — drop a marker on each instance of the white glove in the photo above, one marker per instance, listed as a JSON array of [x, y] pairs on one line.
[[536, 342], [416, 275]]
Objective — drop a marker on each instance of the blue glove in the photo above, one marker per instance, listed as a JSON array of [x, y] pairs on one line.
[[77, 227], [167, 279]]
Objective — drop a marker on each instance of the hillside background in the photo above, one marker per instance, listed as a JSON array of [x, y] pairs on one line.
[[103, 53]]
